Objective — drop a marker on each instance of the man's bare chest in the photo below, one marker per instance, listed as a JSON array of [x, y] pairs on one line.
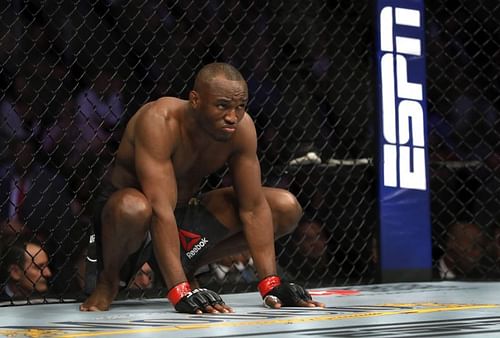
[[195, 165]]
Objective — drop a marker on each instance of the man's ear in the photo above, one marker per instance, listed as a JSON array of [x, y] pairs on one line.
[[15, 272], [194, 98]]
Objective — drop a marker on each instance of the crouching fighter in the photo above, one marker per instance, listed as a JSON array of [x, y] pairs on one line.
[[151, 209]]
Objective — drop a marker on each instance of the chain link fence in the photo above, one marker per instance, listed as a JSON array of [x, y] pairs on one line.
[[74, 72], [463, 45]]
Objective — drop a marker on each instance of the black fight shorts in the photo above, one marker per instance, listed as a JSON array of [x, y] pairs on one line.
[[199, 231]]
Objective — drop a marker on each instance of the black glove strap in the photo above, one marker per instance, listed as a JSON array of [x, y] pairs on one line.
[[290, 294], [198, 299]]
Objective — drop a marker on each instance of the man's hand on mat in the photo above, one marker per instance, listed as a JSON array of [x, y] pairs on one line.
[[277, 294], [202, 300], [196, 301]]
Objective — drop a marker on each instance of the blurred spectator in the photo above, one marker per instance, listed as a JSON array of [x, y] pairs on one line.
[[99, 111], [77, 162], [311, 240], [307, 255], [36, 201], [18, 120], [464, 130], [143, 279], [33, 194], [235, 268], [24, 271], [465, 247]]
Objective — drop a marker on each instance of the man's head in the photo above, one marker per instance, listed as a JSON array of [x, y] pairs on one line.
[[465, 247], [219, 99], [311, 239], [143, 279], [26, 265]]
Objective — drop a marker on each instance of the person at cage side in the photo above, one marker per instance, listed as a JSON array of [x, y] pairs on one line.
[[152, 207], [24, 271]]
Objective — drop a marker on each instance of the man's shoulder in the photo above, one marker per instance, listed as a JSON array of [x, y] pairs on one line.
[[169, 103], [246, 128], [161, 116], [164, 107]]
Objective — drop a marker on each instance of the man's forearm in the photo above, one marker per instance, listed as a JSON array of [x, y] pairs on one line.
[[166, 248], [259, 233]]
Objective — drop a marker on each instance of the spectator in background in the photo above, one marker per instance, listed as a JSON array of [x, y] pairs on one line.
[[24, 271], [143, 279], [32, 194], [307, 256], [235, 268], [18, 120], [64, 150], [35, 201], [99, 110], [465, 247]]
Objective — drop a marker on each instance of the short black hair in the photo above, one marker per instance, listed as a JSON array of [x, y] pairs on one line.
[[211, 70], [13, 251]]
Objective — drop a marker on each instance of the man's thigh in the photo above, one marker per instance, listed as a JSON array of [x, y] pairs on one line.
[[199, 232], [223, 204]]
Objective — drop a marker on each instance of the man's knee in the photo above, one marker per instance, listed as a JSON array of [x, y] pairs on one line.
[[287, 213], [129, 207]]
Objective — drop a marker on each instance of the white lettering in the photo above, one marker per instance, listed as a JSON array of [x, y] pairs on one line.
[[388, 98], [407, 17], [390, 165], [404, 158], [190, 254], [408, 46], [411, 111], [412, 178], [406, 89], [386, 25]]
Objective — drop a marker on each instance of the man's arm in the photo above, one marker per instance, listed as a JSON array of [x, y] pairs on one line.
[[154, 144], [256, 217], [254, 210]]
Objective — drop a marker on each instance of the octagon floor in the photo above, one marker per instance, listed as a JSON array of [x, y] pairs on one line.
[[437, 309]]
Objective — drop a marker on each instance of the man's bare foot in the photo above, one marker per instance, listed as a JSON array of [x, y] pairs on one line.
[[101, 298]]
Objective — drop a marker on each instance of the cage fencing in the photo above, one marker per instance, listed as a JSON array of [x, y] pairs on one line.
[[463, 84], [74, 72]]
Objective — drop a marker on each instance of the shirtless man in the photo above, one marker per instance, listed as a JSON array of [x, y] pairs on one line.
[[168, 147]]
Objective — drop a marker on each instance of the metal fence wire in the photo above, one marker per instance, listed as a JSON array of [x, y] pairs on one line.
[[73, 73], [463, 44]]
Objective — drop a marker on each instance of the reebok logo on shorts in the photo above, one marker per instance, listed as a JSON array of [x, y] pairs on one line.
[[191, 243]]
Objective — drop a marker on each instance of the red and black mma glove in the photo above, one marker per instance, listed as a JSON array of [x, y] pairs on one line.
[[288, 294], [188, 301]]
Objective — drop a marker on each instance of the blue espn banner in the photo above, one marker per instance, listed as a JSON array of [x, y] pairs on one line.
[[404, 198]]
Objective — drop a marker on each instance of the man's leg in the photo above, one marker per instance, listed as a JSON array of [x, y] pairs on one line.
[[222, 203], [125, 220]]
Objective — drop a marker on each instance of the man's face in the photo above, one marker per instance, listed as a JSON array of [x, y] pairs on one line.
[[466, 247], [312, 241], [220, 105], [35, 271], [144, 278]]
